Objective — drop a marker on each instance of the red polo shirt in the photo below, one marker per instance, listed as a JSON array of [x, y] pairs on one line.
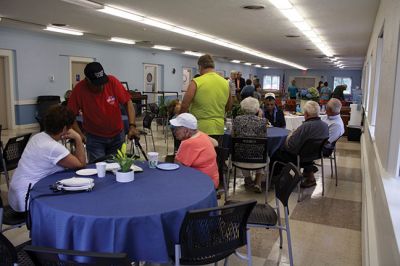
[[101, 112]]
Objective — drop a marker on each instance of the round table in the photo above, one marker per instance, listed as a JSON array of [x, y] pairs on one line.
[[276, 136], [141, 218]]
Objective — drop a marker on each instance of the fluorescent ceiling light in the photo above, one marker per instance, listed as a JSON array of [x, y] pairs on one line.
[[64, 30], [84, 3], [257, 65], [302, 25], [122, 40], [235, 61], [133, 16], [193, 53], [121, 13], [281, 4], [265, 67], [162, 47], [158, 24], [290, 12], [292, 15], [247, 64]]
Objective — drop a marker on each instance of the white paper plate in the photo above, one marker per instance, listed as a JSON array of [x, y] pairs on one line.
[[81, 188], [168, 166], [76, 181], [86, 172]]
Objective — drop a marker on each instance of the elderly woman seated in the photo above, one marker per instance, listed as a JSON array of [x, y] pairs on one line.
[[197, 148], [250, 125], [44, 155]]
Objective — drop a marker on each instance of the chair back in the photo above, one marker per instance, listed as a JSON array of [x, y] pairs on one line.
[[249, 150], [13, 150], [52, 256], [329, 147], [311, 150], [8, 253], [148, 119], [209, 235], [287, 182], [154, 108]]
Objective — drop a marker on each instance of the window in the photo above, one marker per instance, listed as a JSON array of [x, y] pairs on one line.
[[375, 93], [271, 82], [342, 81]]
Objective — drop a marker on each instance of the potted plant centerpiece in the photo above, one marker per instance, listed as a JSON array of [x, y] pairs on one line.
[[310, 94], [125, 173]]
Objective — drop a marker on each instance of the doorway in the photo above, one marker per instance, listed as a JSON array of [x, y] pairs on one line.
[[77, 66]]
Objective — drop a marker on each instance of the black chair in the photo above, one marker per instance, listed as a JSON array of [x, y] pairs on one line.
[[329, 152], [311, 150], [11, 154], [210, 235], [62, 257], [266, 216], [147, 120], [10, 255], [248, 154], [44, 102]]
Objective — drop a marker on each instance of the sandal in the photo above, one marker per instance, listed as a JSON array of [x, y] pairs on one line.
[[257, 189]]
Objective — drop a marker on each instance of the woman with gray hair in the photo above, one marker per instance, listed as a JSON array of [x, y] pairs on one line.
[[250, 125]]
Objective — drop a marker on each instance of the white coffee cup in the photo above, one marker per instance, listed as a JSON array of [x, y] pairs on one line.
[[101, 169], [153, 159]]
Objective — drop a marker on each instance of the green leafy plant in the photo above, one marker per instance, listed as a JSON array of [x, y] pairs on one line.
[[124, 161]]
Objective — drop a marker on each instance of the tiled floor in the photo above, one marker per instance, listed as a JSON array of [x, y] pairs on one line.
[[325, 230]]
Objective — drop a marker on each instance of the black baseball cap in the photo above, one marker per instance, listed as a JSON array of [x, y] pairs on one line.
[[95, 73]]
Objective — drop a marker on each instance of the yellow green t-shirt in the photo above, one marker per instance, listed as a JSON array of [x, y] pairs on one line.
[[208, 104]]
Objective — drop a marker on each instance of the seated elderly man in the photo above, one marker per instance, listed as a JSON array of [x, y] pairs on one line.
[[196, 149], [336, 129], [312, 128], [274, 115], [250, 125]]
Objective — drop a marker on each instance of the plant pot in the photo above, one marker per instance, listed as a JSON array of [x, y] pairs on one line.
[[125, 177]]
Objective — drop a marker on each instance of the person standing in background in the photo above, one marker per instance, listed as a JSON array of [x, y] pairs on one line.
[[292, 90], [207, 98], [240, 83], [326, 92]]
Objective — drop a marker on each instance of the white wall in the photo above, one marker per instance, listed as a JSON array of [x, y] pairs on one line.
[[381, 186]]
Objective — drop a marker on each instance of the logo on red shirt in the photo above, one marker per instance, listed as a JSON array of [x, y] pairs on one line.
[[110, 100]]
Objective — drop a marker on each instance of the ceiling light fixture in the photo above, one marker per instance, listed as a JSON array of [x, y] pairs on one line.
[[235, 61], [162, 47], [290, 12], [247, 64], [64, 30], [84, 3], [281, 4], [265, 67], [257, 65], [133, 16], [122, 40], [193, 53]]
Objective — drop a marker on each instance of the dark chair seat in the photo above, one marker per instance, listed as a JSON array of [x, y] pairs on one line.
[[10, 217], [262, 214]]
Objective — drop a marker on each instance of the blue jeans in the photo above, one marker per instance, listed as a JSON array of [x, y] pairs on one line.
[[98, 147]]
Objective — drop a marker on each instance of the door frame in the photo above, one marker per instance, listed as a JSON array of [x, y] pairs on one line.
[[77, 59], [10, 86]]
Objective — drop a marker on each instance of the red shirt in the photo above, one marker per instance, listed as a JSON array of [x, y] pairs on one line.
[[198, 152], [101, 111]]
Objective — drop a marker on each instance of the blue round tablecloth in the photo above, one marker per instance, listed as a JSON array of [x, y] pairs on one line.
[[276, 136], [141, 218]]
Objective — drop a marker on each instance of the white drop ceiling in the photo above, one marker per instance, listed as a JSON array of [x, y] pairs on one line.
[[344, 25]]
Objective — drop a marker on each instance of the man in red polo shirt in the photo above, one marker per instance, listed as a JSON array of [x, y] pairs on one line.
[[99, 96]]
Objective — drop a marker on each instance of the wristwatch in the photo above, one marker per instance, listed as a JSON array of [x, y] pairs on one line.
[[132, 125]]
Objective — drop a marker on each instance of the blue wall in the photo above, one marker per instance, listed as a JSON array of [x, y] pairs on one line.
[[39, 55]]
